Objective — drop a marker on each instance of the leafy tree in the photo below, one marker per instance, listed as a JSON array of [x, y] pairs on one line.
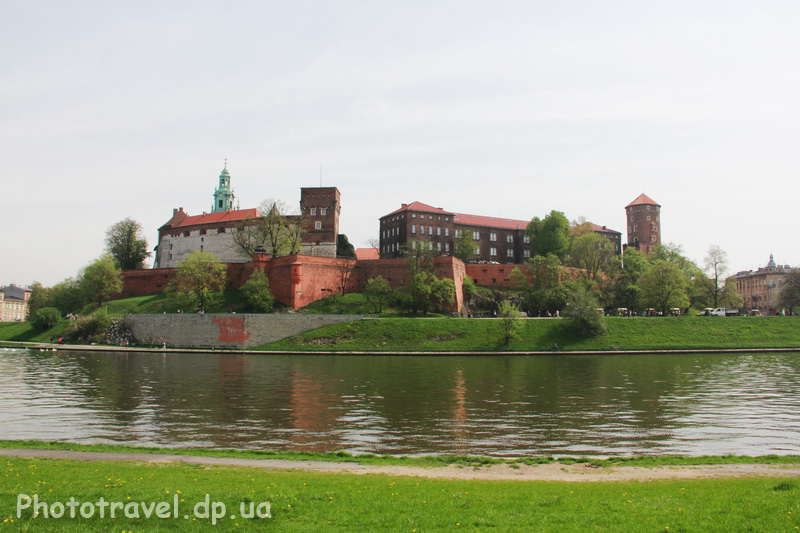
[[509, 321], [790, 292], [581, 315], [92, 327], [199, 281], [126, 244], [256, 292], [663, 286], [539, 284], [716, 265], [40, 298], [46, 318], [344, 248], [277, 229], [68, 296], [101, 279], [464, 247], [591, 253], [377, 289], [551, 235]]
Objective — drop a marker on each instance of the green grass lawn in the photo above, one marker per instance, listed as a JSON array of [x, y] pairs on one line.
[[305, 501], [457, 334]]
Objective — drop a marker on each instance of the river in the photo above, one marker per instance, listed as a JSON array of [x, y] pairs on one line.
[[691, 404]]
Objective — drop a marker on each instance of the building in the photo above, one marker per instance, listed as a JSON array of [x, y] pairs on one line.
[[643, 216], [14, 303], [761, 289], [215, 232], [499, 240]]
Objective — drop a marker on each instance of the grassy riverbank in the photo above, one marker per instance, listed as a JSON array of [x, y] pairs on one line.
[[307, 501], [423, 461], [456, 334]]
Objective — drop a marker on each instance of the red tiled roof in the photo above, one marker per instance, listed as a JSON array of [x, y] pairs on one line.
[[217, 217], [595, 227], [643, 199], [419, 207], [367, 254], [491, 222]]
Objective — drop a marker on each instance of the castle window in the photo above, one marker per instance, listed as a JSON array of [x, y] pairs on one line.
[[317, 225], [476, 235], [510, 238], [446, 232], [458, 234], [634, 229], [526, 253], [438, 230], [422, 229], [413, 215], [526, 239], [631, 218], [413, 228], [313, 211], [493, 236], [447, 247], [323, 211], [492, 251], [439, 246], [509, 253], [430, 230], [648, 217]]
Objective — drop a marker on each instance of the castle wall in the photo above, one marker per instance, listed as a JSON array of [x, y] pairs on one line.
[[175, 248], [299, 280]]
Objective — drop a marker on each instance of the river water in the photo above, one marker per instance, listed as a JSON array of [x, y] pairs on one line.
[[489, 405]]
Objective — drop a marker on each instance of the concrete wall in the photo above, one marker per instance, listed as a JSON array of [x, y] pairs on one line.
[[224, 330]]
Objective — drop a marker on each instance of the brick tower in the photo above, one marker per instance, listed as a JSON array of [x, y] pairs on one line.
[[320, 207], [644, 223]]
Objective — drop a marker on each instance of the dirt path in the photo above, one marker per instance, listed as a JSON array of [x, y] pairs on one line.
[[547, 472]]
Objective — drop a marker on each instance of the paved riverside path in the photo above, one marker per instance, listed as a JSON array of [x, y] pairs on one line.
[[519, 472]]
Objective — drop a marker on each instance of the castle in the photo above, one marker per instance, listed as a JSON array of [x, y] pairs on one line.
[[215, 231]]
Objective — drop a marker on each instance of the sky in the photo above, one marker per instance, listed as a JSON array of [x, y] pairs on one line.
[[509, 109]]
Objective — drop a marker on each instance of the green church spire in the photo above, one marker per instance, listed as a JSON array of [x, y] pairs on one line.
[[223, 196]]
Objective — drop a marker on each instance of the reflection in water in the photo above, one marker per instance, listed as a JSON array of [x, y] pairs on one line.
[[501, 405]]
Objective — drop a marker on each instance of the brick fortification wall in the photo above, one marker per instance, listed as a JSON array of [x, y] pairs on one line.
[[298, 280], [224, 330]]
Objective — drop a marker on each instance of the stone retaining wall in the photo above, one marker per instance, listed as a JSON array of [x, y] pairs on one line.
[[224, 330]]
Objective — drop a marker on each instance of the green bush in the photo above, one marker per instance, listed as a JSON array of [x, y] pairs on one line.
[[45, 318], [257, 294], [582, 317], [93, 327]]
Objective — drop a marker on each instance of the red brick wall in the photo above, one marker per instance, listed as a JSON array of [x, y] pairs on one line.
[[298, 280], [491, 275]]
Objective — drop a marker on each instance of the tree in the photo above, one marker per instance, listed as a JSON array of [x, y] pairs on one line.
[[716, 263], [377, 289], [256, 292], [344, 248], [40, 298], [68, 296], [277, 229], [345, 268], [509, 321], [464, 247], [591, 253], [46, 318], [127, 245], [581, 315], [199, 281], [790, 292], [425, 290], [663, 287], [539, 284], [551, 235], [101, 279]]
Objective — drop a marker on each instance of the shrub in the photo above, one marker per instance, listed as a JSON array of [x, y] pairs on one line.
[[46, 318], [581, 315], [92, 327], [256, 292]]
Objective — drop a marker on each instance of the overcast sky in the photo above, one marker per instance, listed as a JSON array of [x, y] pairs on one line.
[[129, 109]]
